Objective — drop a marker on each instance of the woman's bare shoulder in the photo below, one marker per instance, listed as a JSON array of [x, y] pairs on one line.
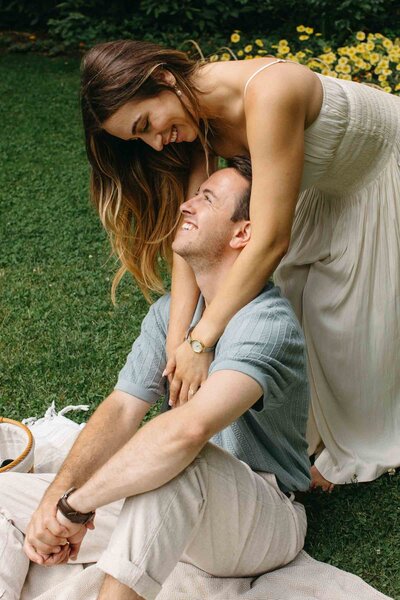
[[286, 84]]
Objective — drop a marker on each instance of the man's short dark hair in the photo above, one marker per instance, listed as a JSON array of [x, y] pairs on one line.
[[242, 165]]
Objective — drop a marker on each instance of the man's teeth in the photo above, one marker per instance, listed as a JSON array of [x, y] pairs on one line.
[[174, 135], [187, 226]]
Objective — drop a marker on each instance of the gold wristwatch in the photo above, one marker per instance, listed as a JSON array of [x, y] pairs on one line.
[[196, 345]]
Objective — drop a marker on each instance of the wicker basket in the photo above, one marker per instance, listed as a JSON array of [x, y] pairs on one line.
[[16, 443]]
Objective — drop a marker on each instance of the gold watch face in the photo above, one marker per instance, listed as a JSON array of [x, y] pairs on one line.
[[196, 346]]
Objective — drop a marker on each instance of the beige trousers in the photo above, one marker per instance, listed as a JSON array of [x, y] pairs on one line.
[[217, 515], [20, 494]]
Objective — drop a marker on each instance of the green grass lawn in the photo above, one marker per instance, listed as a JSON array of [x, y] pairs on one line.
[[60, 337]]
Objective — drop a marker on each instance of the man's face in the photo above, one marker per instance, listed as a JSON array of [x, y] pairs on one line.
[[206, 230]]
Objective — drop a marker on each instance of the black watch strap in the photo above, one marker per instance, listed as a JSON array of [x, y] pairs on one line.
[[73, 515]]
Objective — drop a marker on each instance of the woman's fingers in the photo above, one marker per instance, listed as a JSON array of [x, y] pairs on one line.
[[174, 390], [184, 393]]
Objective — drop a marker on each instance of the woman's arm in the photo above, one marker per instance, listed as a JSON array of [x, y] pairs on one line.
[[184, 290], [275, 121]]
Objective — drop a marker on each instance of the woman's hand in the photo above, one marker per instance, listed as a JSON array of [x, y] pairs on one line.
[[190, 371]]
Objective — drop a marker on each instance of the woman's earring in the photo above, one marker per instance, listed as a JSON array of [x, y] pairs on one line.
[[177, 90]]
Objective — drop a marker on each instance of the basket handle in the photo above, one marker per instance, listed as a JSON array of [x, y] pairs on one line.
[[25, 453]]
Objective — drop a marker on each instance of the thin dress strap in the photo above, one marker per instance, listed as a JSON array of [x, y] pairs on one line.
[[278, 60]]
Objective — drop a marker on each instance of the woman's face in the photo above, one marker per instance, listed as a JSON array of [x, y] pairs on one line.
[[157, 121]]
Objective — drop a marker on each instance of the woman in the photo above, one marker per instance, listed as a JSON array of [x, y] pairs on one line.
[[154, 120]]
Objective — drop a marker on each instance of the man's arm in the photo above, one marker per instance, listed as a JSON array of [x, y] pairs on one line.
[[113, 423], [170, 442]]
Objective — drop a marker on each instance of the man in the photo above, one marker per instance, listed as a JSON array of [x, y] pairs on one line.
[[226, 507]]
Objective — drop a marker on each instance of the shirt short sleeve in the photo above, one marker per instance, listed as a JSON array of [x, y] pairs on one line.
[[141, 376], [264, 341]]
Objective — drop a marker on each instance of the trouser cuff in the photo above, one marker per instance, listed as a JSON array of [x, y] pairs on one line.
[[129, 574]]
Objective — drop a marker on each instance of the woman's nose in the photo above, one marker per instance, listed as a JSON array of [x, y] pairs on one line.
[[155, 141]]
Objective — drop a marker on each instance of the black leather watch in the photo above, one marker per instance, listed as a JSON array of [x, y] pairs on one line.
[[196, 345], [73, 515]]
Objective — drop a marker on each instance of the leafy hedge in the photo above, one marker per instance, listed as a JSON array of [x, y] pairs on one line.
[[71, 23], [370, 58]]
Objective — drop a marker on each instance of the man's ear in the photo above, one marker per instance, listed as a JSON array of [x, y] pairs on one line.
[[167, 77], [241, 235]]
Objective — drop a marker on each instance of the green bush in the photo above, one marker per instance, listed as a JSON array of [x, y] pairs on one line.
[[78, 22]]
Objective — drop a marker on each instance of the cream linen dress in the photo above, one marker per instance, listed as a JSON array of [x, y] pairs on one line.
[[342, 276]]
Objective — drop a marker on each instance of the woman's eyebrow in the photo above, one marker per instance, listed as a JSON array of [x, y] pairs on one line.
[[133, 130]]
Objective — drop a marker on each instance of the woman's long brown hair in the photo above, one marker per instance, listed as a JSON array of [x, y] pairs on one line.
[[136, 190]]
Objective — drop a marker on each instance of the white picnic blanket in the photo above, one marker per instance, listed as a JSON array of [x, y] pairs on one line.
[[302, 579]]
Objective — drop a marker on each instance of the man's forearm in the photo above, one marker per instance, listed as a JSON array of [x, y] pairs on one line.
[[114, 422], [156, 454]]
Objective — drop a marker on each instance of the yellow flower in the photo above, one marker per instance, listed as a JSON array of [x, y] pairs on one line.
[[283, 43], [283, 50], [346, 69], [226, 56], [235, 38], [387, 71], [259, 43], [300, 54], [374, 58], [345, 76], [262, 52], [343, 60], [309, 30], [370, 46], [303, 37], [360, 35], [327, 49], [398, 67], [248, 57], [387, 44], [382, 78], [300, 28], [248, 48], [318, 34], [214, 58], [387, 89], [328, 58], [326, 71], [240, 52], [338, 68], [397, 88]]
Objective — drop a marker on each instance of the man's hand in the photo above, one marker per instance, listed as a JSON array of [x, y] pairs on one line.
[[45, 535], [76, 533], [51, 538], [191, 370]]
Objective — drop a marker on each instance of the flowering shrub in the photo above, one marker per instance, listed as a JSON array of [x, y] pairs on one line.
[[370, 58]]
